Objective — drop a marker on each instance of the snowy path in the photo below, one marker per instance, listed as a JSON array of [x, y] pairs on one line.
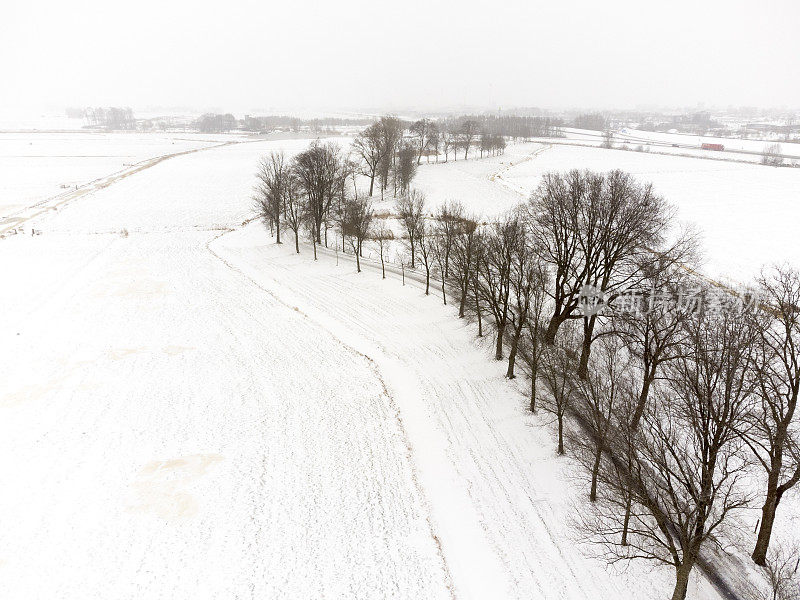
[[154, 442]]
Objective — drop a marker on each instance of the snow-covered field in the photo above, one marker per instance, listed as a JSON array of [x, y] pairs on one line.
[[748, 214], [36, 166], [154, 442], [191, 411]]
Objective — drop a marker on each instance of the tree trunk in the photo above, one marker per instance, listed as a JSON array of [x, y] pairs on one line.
[[598, 455], [627, 521], [586, 346], [314, 243], [498, 350], [478, 312], [463, 303], [297, 242], [682, 581], [533, 390], [358, 264], [767, 521], [477, 300], [552, 329], [560, 433], [640, 405], [371, 184], [512, 354], [277, 231], [444, 293]]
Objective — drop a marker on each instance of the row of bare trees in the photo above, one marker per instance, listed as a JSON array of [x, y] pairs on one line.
[[111, 117], [311, 192], [389, 150], [695, 410], [433, 139], [684, 409]]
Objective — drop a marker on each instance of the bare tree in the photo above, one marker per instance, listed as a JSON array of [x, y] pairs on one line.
[[406, 168], [447, 141], [391, 129], [434, 141], [272, 174], [368, 145], [608, 139], [532, 343], [558, 373], [622, 233], [468, 131], [485, 142], [553, 209], [598, 232], [357, 224], [422, 130], [441, 251], [480, 258], [772, 155], [426, 243], [528, 275], [688, 461], [774, 434], [310, 224], [294, 210], [411, 212], [654, 328], [319, 172], [463, 259], [501, 244], [499, 144], [607, 386], [383, 236], [450, 221], [781, 567]]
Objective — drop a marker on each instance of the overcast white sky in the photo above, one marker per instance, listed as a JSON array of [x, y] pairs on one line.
[[242, 54]]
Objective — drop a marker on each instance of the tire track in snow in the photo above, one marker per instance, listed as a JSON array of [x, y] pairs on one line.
[[497, 176]]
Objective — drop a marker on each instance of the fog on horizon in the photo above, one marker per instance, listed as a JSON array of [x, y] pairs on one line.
[[356, 54]]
